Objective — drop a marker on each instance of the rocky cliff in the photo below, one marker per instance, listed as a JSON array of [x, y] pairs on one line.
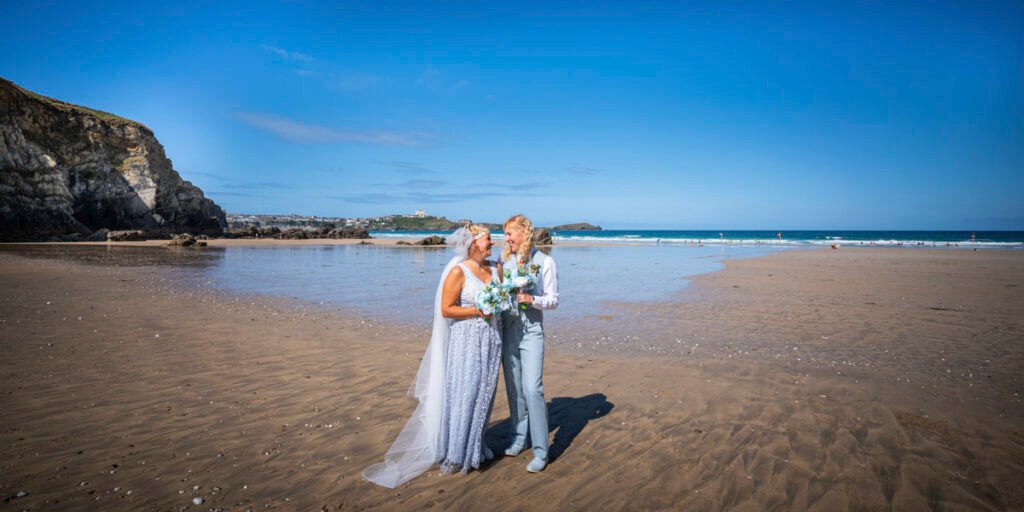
[[69, 169]]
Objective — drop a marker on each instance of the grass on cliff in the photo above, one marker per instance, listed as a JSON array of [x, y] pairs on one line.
[[65, 106], [402, 223]]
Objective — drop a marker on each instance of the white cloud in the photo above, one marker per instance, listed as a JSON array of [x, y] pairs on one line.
[[310, 133], [410, 198], [419, 197], [287, 55]]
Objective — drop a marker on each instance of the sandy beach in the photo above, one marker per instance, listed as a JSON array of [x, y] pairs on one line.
[[237, 242], [858, 379]]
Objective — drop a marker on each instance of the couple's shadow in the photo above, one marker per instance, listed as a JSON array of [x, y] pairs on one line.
[[567, 417]]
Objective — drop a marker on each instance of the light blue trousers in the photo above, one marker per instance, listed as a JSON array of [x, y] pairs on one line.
[[522, 358]]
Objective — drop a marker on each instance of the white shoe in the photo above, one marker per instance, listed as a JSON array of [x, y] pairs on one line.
[[536, 465], [513, 451]]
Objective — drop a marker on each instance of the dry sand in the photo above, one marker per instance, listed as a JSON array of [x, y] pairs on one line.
[[122, 390]]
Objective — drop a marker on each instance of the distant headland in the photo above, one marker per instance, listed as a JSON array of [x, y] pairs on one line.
[[418, 221]]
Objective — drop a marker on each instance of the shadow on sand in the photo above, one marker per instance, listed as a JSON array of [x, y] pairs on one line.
[[567, 417]]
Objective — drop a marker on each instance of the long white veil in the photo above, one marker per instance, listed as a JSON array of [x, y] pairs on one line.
[[419, 445]]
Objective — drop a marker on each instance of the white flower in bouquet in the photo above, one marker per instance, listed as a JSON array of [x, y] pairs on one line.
[[520, 279], [493, 298]]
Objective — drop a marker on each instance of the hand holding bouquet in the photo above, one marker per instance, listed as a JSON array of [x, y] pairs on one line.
[[493, 298], [520, 280]]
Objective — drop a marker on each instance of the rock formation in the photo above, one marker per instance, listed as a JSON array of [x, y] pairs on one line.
[[432, 240], [131, 235], [69, 169], [186, 240], [541, 236]]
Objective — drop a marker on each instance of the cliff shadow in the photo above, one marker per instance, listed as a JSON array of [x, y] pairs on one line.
[[107, 200]]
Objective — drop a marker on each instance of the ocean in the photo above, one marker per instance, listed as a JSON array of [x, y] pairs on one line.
[[962, 239]]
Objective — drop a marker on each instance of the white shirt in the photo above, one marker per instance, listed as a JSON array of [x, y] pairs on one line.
[[546, 289]]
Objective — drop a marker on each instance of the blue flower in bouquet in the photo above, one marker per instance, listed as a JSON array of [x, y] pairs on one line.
[[494, 298], [487, 300], [519, 278], [507, 285]]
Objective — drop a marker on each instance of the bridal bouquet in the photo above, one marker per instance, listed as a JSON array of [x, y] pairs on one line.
[[520, 279], [494, 298]]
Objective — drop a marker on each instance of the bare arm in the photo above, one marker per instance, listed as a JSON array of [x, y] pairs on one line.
[[450, 307]]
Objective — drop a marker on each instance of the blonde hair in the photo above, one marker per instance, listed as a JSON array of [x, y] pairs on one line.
[[520, 222], [478, 231]]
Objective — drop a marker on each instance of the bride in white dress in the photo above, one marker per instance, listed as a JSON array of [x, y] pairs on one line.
[[456, 380]]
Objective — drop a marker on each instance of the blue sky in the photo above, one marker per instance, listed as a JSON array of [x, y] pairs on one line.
[[717, 115]]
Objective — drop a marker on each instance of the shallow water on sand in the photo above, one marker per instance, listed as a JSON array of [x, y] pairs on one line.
[[399, 283]]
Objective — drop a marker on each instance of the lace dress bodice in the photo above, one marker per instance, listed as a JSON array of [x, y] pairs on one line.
[[473, 285]]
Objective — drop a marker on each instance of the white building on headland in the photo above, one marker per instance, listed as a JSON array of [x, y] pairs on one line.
[[420, 213]]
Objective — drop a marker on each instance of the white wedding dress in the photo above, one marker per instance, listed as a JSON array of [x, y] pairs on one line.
[[454, 385], [473, 359]]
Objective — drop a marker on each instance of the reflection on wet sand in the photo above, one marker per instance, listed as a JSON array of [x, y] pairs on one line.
[[122, 255]]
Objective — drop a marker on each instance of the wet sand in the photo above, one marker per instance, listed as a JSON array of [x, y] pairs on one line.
[[123, 390], [231, 242]]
